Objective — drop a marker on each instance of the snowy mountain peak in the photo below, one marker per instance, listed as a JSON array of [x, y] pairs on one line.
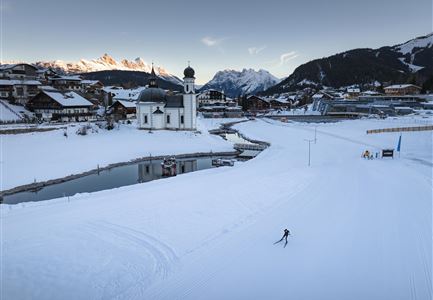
[[236, 83], [105, 63]]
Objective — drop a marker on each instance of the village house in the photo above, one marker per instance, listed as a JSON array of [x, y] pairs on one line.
[[63, 82], [18, 82], [256, 103], [18, 71], [402, 89], [122, 110], [55, 105], [91, 86], [221, 111], [110, 94], [352, 93], [280, 103], [159, 109], [18, 90], [214, 97]]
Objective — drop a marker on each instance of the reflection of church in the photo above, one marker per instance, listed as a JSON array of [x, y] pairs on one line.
[[151, 170]]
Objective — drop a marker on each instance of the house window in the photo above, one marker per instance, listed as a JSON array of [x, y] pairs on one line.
[[168, 119], [181, 119], [145, 119]]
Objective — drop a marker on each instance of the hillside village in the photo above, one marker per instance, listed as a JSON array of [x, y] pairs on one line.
[[32, 95]]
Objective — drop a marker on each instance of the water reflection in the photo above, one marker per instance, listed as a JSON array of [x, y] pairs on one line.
[[108, 179]]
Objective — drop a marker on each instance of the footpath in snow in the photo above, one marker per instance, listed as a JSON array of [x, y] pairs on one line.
[[361, 229]]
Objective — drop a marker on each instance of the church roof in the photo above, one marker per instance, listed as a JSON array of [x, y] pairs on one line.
[[174, 101], [152, 94]]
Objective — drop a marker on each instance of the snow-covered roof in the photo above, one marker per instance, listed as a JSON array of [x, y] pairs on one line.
[[70, 78], [68, 98], [371, 93], [353, 90], [48, 88], [127, 104], [89, 82], [19, 82], [126, 94], [401, 86]]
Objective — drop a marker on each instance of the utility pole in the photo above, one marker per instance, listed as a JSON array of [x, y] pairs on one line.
[[309, 151]]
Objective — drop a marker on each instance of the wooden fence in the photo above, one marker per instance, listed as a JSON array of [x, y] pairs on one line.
[[399, 129]]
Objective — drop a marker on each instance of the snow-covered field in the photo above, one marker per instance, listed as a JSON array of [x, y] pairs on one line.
[[361, 229], [48, 155]]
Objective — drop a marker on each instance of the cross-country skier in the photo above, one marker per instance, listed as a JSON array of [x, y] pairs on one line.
[[285, 235]]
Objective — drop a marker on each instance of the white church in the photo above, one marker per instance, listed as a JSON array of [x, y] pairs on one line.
[[159, 109]]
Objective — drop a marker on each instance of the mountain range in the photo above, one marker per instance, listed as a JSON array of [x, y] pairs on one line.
[[236, 83], [409, 62], [107, 63]]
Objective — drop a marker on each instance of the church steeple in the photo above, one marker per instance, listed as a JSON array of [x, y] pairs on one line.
[[152, 79]]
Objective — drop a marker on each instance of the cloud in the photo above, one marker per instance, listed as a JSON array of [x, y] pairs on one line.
[[285, 57], [210, 42], [256, 50]]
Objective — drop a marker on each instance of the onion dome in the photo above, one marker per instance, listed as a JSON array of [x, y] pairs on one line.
[[189, 72]]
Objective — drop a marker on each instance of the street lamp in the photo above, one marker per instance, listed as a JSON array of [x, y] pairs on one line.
[[309, 150], [315, 134]]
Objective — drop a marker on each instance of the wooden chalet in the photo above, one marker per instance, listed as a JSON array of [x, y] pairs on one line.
[[122, 110], [54, 105], [255, 103]]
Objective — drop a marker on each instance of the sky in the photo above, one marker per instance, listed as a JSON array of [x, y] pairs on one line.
[[274, 35]]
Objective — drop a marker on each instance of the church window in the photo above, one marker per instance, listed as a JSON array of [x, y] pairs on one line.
[[186, 88], [181, 119], [145, 119], [168, 119]]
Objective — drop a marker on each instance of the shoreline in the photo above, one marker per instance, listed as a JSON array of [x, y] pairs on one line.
[[38, 185]]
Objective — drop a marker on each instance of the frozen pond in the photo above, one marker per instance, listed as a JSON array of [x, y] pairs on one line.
[[112, 178]]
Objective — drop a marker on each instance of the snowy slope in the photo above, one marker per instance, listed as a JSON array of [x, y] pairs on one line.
[[418, 43], [11, 112], [360, 229], [106, 62], [235, 83]]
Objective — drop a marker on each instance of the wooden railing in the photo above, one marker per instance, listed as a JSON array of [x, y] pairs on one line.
[[400, 129]]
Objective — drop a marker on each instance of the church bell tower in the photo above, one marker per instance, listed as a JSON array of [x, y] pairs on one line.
[[189, 99]]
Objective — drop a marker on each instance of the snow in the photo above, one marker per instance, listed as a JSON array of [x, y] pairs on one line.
[[306, 82], [247, 81], [361, 229], [19, 82], [413, 68], [124, 94], [421, 42], [58, 156], [399, 86], [127, 104], [68, 98], [11, 112]]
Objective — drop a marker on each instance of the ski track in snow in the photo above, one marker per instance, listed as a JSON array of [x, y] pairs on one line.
[[360, 229], [163, 257]]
